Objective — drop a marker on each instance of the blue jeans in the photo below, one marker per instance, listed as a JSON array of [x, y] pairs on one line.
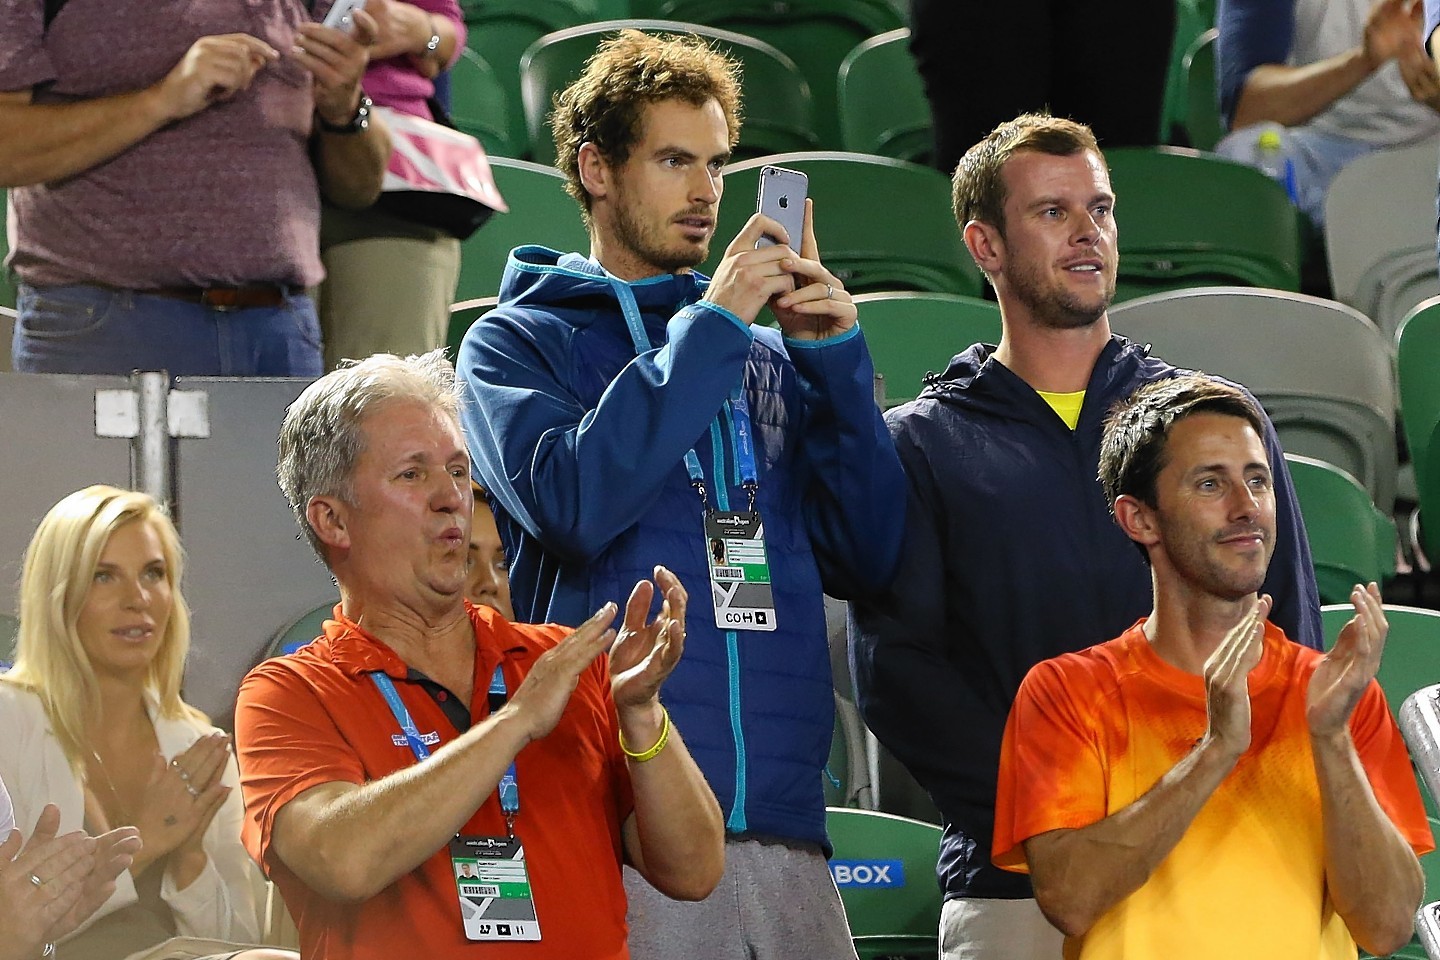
[[88, 329]]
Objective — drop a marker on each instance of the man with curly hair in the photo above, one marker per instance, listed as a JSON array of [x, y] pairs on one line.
[[629, 411]]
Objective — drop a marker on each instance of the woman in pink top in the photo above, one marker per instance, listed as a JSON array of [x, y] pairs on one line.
[[390, 282]]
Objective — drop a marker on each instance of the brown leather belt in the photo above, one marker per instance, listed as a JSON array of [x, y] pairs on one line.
[[226, 298]]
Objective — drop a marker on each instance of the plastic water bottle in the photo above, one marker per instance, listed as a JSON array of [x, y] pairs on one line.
[[1270, 157]]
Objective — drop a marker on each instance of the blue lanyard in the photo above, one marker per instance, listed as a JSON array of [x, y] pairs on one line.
[[508, 788], [738, 407]]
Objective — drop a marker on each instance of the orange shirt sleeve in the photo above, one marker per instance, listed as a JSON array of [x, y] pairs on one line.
[[286, 743], [1387, 765], [1052, 770]]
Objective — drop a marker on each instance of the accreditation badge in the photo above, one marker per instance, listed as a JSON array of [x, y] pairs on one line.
[[739, 570], [496, 902]]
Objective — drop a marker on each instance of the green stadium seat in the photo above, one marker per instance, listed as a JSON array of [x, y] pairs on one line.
[[816, 34], [779, 111], [1412, 649], [301, 631], [1351, 541], [462, 316], [882, 102], [1187, 220], [1417, 363], [913, 334], [1203, 124], [1192, 18], [884, 867], [540, 212], [501, 30], [478, 106], [881, 224]]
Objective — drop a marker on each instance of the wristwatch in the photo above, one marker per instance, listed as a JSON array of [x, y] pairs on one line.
[[358, 124]]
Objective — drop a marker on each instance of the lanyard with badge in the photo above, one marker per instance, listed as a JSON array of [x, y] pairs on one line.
[[735, 539], [493, 884]]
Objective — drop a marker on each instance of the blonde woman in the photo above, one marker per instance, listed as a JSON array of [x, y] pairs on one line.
[[94, 724]]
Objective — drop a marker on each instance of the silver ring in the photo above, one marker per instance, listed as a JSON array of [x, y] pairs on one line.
[[194, 794], [37, 881], [829, 292]]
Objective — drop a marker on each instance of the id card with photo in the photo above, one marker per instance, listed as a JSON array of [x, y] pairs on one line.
[[496, 902], [739, 570]]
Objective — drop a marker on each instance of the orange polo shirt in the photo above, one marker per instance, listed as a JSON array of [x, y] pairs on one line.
[[1091, 732], [316, 717]]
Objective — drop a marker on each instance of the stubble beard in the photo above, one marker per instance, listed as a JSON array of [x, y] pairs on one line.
[[647, 244], [1055, 307]]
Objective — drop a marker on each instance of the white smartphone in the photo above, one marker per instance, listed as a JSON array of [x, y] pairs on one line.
[[341, 15], [782, 198]]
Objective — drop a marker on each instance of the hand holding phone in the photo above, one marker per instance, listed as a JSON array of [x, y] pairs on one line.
[[782, 198], [341, 15]]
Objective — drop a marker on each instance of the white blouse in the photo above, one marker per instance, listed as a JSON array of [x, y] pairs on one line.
[[220, 903]]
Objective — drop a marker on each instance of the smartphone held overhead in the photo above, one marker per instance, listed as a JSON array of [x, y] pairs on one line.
[[342, 14], [782, 198]]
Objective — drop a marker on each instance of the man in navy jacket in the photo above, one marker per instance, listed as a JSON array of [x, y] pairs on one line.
[[628, 411], [1010, 554]]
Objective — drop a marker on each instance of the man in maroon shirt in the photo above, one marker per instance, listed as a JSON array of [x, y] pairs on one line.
[[165, 211]]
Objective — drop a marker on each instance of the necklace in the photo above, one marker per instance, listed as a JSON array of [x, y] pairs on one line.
[[115, 794]]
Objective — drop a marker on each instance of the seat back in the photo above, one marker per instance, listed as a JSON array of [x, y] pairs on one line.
[[816, 34], [1192, 19], [501, 31], [1412, 648], [1334, 404], [912, 334], [540, 212], [1203, 125], [1187, 219], [779, 106], [1380, 232], [1417, 360], [881, 224], [881, 100], [301, 631], [1351, 541], [884, 867], [479, 107], [462, 317]]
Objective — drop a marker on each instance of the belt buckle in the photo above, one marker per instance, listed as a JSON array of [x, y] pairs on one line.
[[224, 299]]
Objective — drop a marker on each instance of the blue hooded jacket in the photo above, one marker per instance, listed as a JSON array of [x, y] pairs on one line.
[[581, 444]]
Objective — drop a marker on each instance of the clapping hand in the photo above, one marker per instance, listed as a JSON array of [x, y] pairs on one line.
[[1345, 672]]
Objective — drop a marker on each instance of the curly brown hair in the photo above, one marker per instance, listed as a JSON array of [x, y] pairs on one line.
[[977, 187], [627, 72]]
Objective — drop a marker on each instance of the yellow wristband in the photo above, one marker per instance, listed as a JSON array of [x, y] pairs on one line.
[[659, 744]]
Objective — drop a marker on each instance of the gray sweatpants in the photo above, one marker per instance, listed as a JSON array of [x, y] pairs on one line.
[[776, 901]]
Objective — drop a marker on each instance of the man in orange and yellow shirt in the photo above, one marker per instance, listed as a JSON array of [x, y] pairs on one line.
[[1201, 783]]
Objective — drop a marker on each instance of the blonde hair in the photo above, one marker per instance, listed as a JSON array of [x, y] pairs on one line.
[[60, 565]]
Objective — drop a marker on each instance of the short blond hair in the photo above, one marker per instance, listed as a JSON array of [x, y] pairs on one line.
[[977, 188]]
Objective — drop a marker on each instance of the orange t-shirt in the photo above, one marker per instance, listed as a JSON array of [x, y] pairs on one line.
[[1091, 732], [316, 717]]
